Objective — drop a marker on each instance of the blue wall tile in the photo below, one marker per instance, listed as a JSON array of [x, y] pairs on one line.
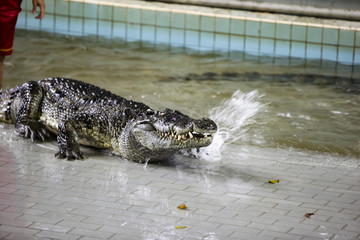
[[329, 52], [195, 31], [148, 17], [178, 20], [222, 25], [162, 35], [90, 11], [50, 6], [357, 57], [192, 22], [347, 38], [61, 7], [267, 30], [297, 50], [237, 43], [357, 39], [61, 24], [163, 19], [76, 9], [76, 26], [133, 32], [345, 55], [134, 15], [48, 23], [177, 37], [31, 22], [314, 35], [222, 42], [105, 28], [207, 40], [252, 28], [313, 51], [283, 31], [119, 30], [192, 38], [90, 27], [298, 33], [267, 46], [148, 33], [26, 6], [21, 22], [207, 23], [120, 14], [282, 48], [237, 26], [105, 12], [252, 45], [330, 36]]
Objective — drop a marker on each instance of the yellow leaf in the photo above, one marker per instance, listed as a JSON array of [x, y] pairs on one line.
[[274, 181], [182, 206], [180, 227]]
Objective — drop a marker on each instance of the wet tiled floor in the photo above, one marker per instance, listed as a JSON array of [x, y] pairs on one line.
[[104, 197]]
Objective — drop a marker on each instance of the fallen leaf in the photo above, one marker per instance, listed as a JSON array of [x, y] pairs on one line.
[[274, 181], [182, 206], [308, 215], [180, 227]]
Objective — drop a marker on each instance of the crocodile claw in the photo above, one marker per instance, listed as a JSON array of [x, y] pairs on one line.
[[69, 155], [34, 131]]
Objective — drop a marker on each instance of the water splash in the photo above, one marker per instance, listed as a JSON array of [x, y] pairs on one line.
[[232, 117]]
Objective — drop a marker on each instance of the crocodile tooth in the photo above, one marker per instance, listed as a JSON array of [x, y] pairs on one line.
[[190, 134], [178, 137]]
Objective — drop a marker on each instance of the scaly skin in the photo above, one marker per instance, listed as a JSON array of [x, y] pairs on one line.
[[81, 113]]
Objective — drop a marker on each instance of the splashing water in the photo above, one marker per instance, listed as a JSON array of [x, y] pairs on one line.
[[232, 116]]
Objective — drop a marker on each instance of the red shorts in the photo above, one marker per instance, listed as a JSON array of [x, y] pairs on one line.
[[9, 10]]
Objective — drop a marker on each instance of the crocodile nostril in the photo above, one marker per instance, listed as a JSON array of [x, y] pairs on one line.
[[206, 123]]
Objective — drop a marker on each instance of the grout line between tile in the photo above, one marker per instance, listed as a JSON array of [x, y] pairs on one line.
[[215, 15]]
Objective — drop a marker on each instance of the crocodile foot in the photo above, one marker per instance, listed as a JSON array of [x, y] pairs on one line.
[[69, 154], [33, 130]]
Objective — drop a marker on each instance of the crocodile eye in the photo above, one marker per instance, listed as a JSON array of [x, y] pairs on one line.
[[150, 112], [145, 125]]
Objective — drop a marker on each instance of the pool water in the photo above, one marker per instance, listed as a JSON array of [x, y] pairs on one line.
[[266, 108]]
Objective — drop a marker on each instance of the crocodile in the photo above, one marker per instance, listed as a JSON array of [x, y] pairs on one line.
[[80, 113]]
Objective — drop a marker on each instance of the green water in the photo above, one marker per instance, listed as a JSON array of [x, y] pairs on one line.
[[290, 113]]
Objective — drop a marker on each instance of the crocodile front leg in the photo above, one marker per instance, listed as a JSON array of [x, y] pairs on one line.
[[26, 108], [67, 141]]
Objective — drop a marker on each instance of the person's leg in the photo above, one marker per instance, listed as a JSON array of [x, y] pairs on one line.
[[2, 59], [9, 10]]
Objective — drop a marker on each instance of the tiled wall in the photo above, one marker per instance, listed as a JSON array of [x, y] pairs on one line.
[[196, 30]]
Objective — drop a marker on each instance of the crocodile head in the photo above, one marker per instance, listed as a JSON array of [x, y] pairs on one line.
[[158, 135]]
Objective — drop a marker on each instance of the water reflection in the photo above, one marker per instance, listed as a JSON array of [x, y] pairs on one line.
[[259, 103]]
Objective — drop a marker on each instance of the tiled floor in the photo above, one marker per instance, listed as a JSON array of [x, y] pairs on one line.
[[105, 197]]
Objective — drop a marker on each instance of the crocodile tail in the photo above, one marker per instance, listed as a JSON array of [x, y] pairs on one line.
[[6, 100]]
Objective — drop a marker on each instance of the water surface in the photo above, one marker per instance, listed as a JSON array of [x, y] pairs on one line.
[[266, 108]]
